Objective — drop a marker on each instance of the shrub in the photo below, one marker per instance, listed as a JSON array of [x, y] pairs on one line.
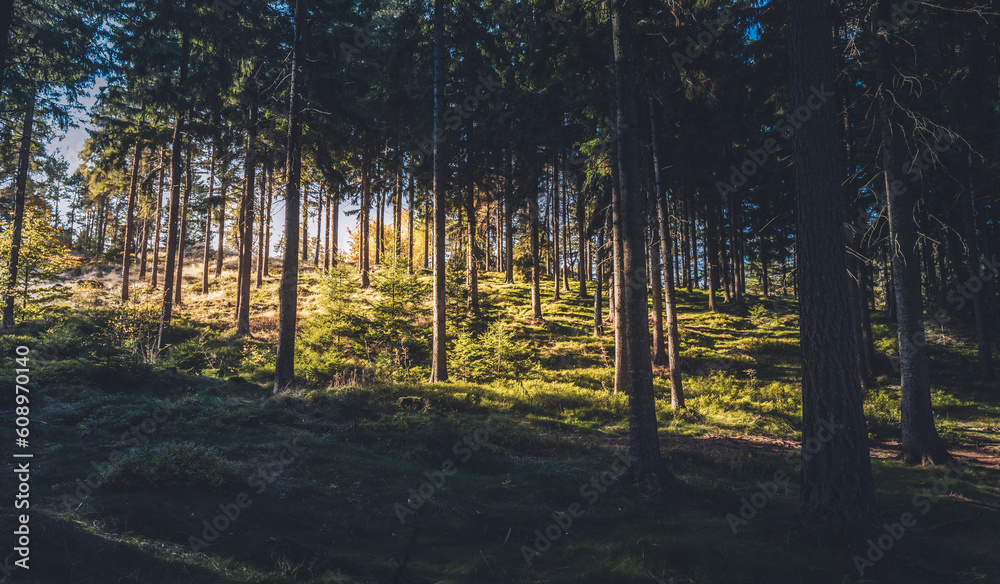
[[170, 466], [491, 355]]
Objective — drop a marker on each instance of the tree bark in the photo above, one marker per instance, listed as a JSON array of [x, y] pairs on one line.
[[644, 450], [409, 224], [265, 185], [305, 224], [980, 306], [554, 213], [472, 269], [663, 222], [582, 244], [208, 220], [172, 220], [334, 223], [326, 234], [533, 241], [221, 254], [17, 229], [246, 226], [508, 223], [921, 443], [185, 211], [364, 218], [159, 218], [130, 221], [319, 223], [617, 304], [284, 368], [439, 357], [836, 465]]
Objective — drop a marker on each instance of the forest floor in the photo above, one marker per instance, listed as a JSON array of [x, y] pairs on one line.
[[376, 476]]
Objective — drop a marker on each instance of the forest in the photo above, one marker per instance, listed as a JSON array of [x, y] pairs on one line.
[[548, 291]]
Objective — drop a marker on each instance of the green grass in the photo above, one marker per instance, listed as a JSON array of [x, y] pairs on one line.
[[327, 468]]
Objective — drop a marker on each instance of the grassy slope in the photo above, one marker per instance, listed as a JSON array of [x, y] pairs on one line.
[[329, 513]]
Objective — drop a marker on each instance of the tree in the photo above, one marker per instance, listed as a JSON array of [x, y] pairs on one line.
[[921, 443], [40, 252], [129, 222], [284, 369], [20, 184], [644, 445], [665, 247], [439, 357], [166, 311], [836, 466]]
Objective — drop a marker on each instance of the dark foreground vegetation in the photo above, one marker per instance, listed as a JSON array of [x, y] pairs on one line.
[[135, 456]]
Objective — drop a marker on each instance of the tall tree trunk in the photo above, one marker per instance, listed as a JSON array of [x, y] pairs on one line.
[[554, 203], [836, 464], [428, 213], [220, 256], [472, 269], [185, 211], [660, 358], [284, 367], [159, 218], [508, 223], [693, 225], [208, 220], [383, 200], [582, 244], [17, 229], [711, 256], [409, 224], [163, 338], [536, 262], [397, 215], [265, 186], [685, 226], [319, 223], [724, 257], [143, 249], [130, 220], [207, 250], [736, 239], [364, 218], [172, 228], [616, 300], [326, 234], [599, 286], [849, 194], [305, 223], [246, 226], [644, 446], [663, 222], [439, 357], [565, 233], [334, 229], [921, 443], [980, 306]]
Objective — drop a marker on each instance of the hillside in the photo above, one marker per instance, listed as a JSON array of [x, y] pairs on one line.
[[368, 474]]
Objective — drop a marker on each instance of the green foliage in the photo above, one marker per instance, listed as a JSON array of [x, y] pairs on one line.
[[882, 412], [40, 258], [172, 465], [494, 354], [132, 328], [376, 331], [215, 353], [745, 402], [396, 305]]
